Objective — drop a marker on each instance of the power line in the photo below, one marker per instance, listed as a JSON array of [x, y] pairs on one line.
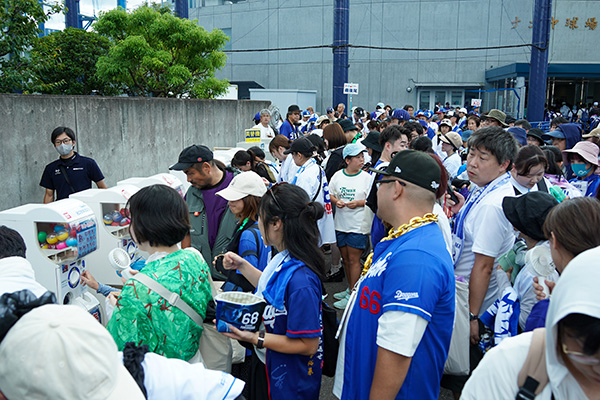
[[357, 46]]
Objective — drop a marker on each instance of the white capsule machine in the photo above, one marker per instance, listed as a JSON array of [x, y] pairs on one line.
[[60, 237], [161, 179], [109, 207]]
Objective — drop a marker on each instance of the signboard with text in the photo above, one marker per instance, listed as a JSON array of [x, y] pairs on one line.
[[252, 135], [475, 102], [350, 88]]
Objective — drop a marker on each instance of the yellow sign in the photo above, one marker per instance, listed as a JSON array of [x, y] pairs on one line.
[[252, 135]]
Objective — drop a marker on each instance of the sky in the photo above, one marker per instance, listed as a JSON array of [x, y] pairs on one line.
[[91, 8]]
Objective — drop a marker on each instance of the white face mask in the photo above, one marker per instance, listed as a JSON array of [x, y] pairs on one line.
[[64, 149]]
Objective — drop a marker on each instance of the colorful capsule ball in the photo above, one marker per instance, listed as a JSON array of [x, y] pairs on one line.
[[51, 239], [71, 242], [123, 212], [51, 246], [44, 246], [61, 245], [58, 228], [108, 219], [116, 216], [125, 222], [62, 235], [42, 236]]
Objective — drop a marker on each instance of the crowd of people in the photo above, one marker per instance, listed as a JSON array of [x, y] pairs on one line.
[[467, 241]]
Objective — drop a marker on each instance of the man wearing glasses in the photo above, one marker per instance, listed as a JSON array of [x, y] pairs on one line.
[[72, 172]]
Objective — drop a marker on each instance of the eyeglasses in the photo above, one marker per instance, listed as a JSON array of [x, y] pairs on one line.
[[580, 358], [378, 183], [64, 141]]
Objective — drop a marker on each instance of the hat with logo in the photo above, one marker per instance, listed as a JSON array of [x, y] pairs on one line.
[[416, 167], [301, 145], [62, 352], [191, 155], [306, 113], [360, 112], [347, 125], [446, 122], [329, 110], [247, 183], [401, 114], [497, 115], [453, 139], [353, 149]]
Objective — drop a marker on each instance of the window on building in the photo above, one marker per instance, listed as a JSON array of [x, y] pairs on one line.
[[227, 31]]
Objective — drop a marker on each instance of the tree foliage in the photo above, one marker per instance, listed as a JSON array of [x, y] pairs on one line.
[[64, 62], [19, 23], [157, 54]]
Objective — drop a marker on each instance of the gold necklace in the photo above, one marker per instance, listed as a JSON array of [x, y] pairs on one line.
[[413, 223]]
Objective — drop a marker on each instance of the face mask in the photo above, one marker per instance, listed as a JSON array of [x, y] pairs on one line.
[[580, 170], [64, 149]]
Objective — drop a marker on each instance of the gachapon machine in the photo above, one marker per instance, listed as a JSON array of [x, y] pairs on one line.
[[60, 237], [158, 179], [113, 231]]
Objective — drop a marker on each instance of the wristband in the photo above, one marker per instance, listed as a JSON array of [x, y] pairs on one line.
[[473, 317], [260, 342]]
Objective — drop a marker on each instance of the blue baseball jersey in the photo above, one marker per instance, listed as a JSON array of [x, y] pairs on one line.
[[294, 376], [412, 273], [289, 131]]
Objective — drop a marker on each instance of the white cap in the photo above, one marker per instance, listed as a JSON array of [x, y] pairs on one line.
[[242, 185], [463, 110], [62, 352]]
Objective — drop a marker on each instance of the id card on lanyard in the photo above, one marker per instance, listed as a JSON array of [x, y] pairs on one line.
[[474, 199]]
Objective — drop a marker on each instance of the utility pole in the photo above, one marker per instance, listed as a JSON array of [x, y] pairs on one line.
[[538, 69], [341, 29]]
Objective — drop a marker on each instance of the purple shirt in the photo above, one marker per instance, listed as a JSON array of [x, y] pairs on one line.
[[215, 206]]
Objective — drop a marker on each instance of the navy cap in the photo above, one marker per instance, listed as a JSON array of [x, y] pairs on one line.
[[401, 114]]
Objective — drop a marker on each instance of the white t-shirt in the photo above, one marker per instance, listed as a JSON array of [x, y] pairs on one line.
[[444, 225], [496, 376], [17, 274], [266, 133], [308, 179], [486, 232], [452, 164], [349, 188]]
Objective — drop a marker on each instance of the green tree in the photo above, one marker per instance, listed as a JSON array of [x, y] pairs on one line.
[[19, 23], [64, 62], [157, 54]]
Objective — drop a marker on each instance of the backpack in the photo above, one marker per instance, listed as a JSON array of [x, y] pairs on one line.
[[232, 275], [533, 376]]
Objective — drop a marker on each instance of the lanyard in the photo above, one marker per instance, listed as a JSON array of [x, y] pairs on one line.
[[301, 169], [474, 199]]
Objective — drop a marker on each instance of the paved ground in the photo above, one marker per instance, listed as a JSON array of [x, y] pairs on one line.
[[327, 383]]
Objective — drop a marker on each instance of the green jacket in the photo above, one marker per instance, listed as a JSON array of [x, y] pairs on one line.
[[199, 231], [143, 317]]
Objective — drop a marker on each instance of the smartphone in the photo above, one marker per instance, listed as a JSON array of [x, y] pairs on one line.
[[452, 195]]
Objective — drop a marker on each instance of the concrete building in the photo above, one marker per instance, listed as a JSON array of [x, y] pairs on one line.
[[398, 77]]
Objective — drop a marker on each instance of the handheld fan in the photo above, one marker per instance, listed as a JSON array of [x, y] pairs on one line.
[[539, 261], [119, 260]]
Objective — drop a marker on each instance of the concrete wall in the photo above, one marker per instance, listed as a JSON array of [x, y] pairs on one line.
[[126, 136], [384, 75]]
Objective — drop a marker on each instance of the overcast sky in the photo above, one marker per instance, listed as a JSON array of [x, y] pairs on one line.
[[91, 8]]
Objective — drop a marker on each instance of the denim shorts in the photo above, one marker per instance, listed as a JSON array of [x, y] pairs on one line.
[[354, 240]]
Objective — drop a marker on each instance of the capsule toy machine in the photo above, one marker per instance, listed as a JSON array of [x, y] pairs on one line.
[[160, 179], [108, 206], [60, 237]]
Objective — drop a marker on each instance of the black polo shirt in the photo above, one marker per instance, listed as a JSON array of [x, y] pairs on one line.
[[82, 171]]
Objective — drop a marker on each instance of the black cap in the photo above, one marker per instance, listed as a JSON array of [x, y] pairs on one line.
[[372, 141], [293, 108], [301, 145], [528, 212], [347, 125], [416, 167], [192, 155]]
